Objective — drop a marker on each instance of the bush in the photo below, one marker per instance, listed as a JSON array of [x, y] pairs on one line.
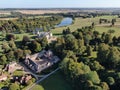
[[14, 86]]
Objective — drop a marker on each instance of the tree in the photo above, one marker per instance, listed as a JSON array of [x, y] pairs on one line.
[[108, 39], [104, 86], [6, 47], [103, 51], [44, 42], [87, 39], [18, 54], [113, 57], [95, 33], [100, 21], [103, 36], [68, 53], [25, 40], [110, 80], [25, 52], [10, 37], [115, 40], [12, 44], [92, 76], [113, 22], [71, 42], [93, 25], [95, 87], [35, 46], [80, 50], [29, 82], [73, 69], [95, 65], [3, 60], [14, 86], [89, 50], [10, 56], [66, 31], [111, 31]]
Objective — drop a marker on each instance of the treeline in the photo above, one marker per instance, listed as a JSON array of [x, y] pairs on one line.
[[29, 24]]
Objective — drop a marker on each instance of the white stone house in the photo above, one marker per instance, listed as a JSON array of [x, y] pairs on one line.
[[48, 35]]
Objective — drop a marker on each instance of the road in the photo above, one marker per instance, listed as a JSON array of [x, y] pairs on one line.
[[30, 88]]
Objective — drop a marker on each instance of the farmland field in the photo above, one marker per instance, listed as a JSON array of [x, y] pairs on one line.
[[80, 22]]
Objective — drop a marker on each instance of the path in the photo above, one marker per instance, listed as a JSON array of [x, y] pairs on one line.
[[30, 88]]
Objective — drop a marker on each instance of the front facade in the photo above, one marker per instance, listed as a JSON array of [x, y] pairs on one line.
[[48, 35]]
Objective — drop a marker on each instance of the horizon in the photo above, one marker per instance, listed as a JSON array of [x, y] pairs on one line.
[[62, 8], [60, 4]]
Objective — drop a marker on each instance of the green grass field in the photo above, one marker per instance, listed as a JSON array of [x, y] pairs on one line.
[[20, 36], [55, 82], [80, 22]]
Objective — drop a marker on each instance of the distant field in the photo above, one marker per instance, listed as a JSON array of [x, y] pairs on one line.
[[8, 18], [44, 11], [5, 13], [80, 22]]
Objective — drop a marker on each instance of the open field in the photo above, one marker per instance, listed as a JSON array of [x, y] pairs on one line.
[[55, 82], [20, 36], [8, 18], [80, 22], [30, 17], [44, 11], [5, 13]]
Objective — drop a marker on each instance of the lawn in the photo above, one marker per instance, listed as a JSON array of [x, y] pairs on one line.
[[55, 82], [80, 22], [38, 87], [20, 36]]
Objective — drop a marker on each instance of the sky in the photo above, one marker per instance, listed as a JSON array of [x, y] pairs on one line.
[[58, 3]]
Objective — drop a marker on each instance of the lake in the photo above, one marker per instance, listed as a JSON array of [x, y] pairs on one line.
[[65, 22]]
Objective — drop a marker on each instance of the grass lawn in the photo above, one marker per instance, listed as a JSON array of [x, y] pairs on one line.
[[20, 36], [80, 22], [38, 87], [55, 82]]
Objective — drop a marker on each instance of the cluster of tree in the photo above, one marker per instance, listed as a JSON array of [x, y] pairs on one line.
[[34, 45], [81, 76], [29, 24], [103, 20], [116, 40], [108, 56], [12, 52], [78, 41], [86, 73], [18, 86], [66, 31], [107, 21], [108, 39]]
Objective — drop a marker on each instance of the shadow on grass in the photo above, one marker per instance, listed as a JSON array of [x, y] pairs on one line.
[[18, 43], [56, 81], [33, 37]]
